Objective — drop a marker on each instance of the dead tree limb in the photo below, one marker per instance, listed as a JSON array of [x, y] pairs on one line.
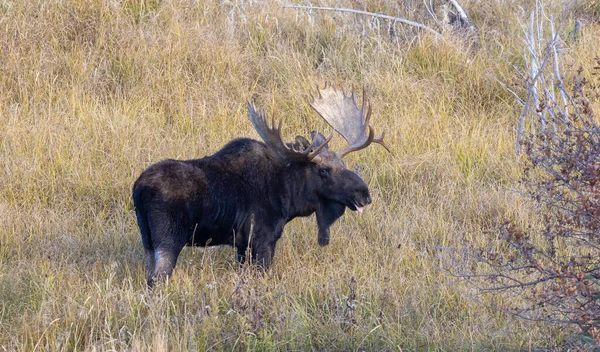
[[366, 13]]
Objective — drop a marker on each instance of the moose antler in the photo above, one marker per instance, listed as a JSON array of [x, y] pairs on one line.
[[272, 136], [342, 113]]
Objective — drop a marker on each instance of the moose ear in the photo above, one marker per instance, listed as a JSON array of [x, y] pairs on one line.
[[320, 139], [301, 143]]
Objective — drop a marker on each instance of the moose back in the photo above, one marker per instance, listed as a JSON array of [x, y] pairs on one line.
[[215, 200]]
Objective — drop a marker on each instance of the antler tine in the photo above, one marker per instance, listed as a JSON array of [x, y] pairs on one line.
[[314, 153], [366, 103], [379, 140], [361, 144], [278, 124], [272, 136]]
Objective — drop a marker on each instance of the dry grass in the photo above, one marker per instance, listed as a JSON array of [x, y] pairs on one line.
[[93, 92]]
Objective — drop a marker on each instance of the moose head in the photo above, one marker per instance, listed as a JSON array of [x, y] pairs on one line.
[[334, 185]]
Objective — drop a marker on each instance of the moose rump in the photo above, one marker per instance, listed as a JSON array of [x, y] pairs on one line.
[[214, 200]]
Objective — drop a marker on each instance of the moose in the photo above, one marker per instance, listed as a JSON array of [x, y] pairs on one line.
[[247, 192]]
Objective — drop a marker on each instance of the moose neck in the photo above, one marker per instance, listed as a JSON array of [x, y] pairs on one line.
[[299, 189]]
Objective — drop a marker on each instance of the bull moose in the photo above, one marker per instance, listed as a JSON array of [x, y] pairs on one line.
[[251, 186]]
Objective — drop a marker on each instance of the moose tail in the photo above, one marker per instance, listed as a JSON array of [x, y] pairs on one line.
[[142, 220]]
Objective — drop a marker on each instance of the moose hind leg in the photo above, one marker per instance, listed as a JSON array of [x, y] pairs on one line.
[[169, 236], [165, 260], [150, 263]]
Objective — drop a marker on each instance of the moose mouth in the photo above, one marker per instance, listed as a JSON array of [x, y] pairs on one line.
[[355, 206]]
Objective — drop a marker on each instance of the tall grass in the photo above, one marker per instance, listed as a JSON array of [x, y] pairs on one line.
[[92, 92]]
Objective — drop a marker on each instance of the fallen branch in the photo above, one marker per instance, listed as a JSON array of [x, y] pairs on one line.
[[378, 15]]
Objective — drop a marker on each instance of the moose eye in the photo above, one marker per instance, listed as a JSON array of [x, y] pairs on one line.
[[324, 172]]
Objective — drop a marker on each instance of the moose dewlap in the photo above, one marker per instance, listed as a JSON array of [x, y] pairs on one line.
[[212, 201]]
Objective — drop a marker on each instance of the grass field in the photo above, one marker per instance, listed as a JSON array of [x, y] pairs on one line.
[[93, 92]]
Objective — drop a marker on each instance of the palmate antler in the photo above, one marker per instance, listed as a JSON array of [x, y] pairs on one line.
[[272, 137], [342, 113]]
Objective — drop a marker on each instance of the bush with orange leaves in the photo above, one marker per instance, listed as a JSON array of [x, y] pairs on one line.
[[551, 272]]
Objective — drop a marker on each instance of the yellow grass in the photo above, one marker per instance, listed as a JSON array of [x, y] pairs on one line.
[[93, 92]]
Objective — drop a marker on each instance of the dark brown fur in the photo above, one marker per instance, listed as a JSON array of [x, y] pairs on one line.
[[210, 201]]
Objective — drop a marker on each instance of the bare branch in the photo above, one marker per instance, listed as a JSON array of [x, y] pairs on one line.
[[521, 125], [430, 10], [366, 13], [557, 74], [515, 95]]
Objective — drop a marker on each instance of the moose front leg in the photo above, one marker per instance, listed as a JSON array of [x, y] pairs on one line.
[[261, 247], [241, 254], [327, 213], [263, 253]]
